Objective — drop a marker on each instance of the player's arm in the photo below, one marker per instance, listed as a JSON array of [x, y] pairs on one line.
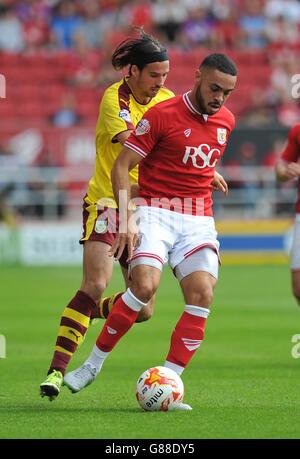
[[122, 136], [287, 170], [127, 234], [288, 166]]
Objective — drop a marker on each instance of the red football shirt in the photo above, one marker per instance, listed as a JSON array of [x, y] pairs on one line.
[[292, 154], [181, 148]]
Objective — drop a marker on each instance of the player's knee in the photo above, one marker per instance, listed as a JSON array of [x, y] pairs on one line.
[[143, 290], [203, 297], [94, 288]]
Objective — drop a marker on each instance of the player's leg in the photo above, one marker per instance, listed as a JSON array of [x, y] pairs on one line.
[[97, 271], [145, 281], [295, 260], [146, 312], [189, 330], [146, 266], [197, 276], [106, 304], [296, 284]]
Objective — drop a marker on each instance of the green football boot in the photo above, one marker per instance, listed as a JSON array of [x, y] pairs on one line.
[[52, 384]]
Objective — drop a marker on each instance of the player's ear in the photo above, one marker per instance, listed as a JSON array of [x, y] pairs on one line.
[[198, 76], [134, 70]]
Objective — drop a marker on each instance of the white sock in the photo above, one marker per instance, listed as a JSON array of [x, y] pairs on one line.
[[96, 358], [177, 368]]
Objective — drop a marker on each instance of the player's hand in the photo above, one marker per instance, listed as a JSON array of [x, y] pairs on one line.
[[118, 245], [219, 183], [293, 170], [128, 239], [121, 241]]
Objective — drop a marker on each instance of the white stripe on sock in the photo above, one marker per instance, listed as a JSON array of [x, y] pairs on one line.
[[191, 344], [132, 301], [197, 310]]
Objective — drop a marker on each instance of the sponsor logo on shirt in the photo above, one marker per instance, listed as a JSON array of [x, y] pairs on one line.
[[187, 132], [202, 156], [125, 115], [221, 135], [126, 102], [142, 127]]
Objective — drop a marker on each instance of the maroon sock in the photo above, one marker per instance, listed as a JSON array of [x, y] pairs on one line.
[[73, 325]]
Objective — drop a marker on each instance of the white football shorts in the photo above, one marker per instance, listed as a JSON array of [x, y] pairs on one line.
[[189, 243], [295, 250]]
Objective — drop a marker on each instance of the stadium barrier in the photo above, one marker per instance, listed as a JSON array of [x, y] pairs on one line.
[[46, 243], [44, 204]]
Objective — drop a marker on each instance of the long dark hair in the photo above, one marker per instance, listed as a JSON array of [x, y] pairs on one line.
[[138, 51]]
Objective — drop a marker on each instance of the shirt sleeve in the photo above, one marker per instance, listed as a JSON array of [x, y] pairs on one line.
[[114, 118], [292, 150], [147, 134]]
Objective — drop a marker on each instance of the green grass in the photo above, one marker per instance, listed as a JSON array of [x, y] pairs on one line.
[[242, 383]]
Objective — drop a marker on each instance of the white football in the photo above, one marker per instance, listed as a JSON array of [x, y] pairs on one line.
[[159, 389]]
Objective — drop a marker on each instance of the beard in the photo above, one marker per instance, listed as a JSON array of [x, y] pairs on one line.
[[200, 101]]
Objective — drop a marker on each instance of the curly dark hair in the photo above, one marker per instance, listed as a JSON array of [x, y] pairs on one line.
[[220, 62]]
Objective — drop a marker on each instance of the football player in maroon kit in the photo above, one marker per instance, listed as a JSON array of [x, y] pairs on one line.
[[288, 168], [177, 145]]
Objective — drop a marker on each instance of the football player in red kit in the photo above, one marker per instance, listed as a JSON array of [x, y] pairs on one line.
[[177, 145], [288, 168]]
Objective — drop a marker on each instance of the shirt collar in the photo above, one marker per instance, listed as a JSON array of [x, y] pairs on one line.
[[190, 106]]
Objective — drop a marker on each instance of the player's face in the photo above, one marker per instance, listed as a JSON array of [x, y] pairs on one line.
[[153, 76], [213, 89]]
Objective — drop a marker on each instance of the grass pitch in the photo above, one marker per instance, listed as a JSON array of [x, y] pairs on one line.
[[242, 383]]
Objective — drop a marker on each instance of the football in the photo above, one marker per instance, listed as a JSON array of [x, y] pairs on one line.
[[159, 389]]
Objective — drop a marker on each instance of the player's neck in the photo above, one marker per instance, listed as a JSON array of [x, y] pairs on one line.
[[192, 97], [137, 93]]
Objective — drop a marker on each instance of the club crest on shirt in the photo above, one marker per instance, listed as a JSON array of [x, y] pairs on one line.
[[142, 127], [101, 226], [125, 115], [221, 136], [187, 132]]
